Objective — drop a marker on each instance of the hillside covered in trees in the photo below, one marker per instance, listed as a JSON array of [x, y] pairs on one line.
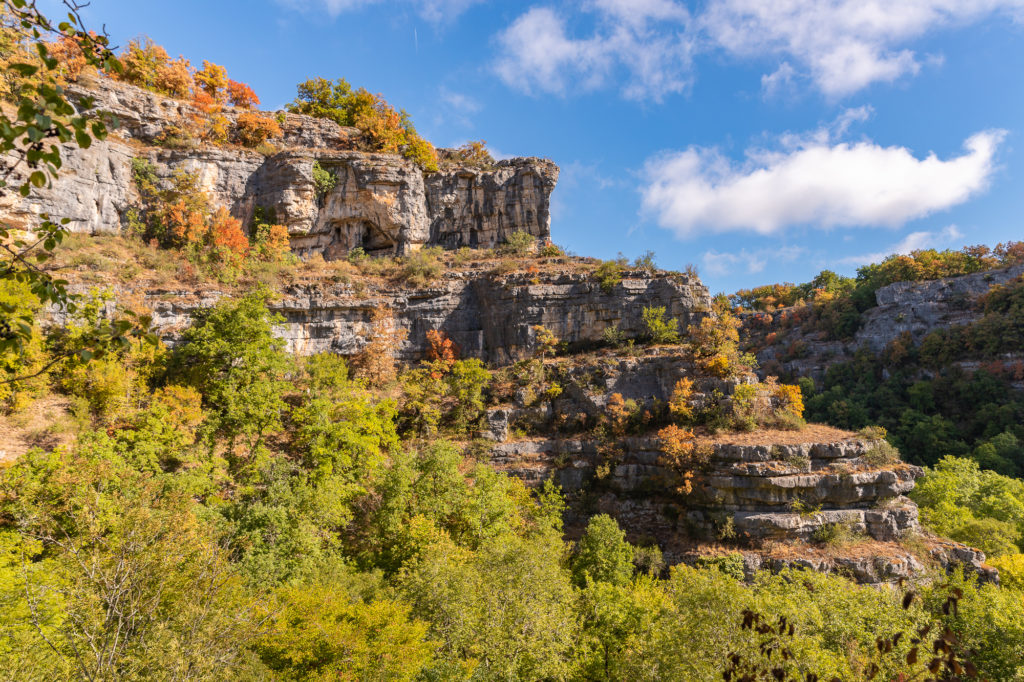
[[238, 444]]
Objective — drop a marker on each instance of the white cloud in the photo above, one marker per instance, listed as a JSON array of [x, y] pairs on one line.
[[842, 46], [818, 183], [845, 45], [460, 102], [434, 11], [914, 241], [645, 38], [750, 262]]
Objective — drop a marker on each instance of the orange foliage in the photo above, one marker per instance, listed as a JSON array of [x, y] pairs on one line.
[[254, 128], [617, 413], [376, 362], [241, 95], [680, 454], [70, 58], [277, 243], [205, 102], [230, 245], [185, 223], [213, 80], [175, 78], [440, 348]]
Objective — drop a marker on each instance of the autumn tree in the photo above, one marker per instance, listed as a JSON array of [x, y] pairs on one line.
[[377, 360], [241, 95], [213, 80]]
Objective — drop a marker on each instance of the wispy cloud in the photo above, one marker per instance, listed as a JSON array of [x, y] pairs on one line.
[[815, 182], [914, 241], [645, 39], [434, 11], [748, 262], [646, 47]]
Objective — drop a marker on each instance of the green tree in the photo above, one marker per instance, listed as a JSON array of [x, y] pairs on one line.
[[603, 554], [230, 354]]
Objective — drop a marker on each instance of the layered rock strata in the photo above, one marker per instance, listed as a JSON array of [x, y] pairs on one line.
[[488, 316], [914, 308], [381, 203], [777, 503]]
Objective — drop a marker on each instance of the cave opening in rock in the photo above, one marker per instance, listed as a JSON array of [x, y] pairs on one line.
[[364, 234]]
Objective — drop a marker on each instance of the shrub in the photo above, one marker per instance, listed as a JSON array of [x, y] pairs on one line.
[[422, 267], [519, 243], [253, 129], [545, 340], [473, 153], [645, 262], [835, 534], [550, 250], [729, 564], [324, 180], [614, 336], [679, 403], [660, 330], [744, 407], [609, 275], [270, 241], [883, 454]]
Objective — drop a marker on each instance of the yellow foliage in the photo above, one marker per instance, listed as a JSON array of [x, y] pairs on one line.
[[1011, 571], [681, 455], [791, 399], [679, 403]]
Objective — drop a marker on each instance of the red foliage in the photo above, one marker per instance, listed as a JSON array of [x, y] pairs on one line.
[[241, 95], [230, 244]]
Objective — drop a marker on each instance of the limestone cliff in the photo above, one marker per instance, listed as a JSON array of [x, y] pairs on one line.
[[772, 487], [381, 203]]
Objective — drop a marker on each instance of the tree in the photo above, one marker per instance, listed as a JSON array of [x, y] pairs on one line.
[[213, 80], [603, 554], [321, 632], [230, 354], [119, 577]]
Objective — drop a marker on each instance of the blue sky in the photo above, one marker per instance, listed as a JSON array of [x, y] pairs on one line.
[[759, 141]]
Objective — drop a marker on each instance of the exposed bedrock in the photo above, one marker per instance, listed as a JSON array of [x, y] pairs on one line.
[[489, 316], [382, 203], [914, 308]]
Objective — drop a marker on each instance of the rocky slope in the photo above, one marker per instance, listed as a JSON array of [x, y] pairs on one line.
[[820, 497], [903, 308], [767, 493]]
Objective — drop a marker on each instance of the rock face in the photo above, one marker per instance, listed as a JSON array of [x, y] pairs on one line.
[[797, 493], [489, 316], [914, 308], [481, 209], [381, 203]]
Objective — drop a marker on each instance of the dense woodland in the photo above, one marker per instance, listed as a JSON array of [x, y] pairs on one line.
[[225, 510]]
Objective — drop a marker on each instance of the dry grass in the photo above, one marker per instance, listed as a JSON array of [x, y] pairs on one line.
[[41, 424], [812, 433]]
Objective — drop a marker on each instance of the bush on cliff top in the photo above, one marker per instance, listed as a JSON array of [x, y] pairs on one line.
[[386, 129]]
